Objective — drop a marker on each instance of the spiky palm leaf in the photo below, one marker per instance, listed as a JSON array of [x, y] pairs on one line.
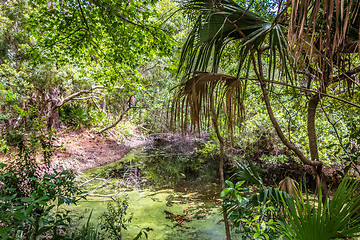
[[269, 196], [220, 23], [250, 174], [337, 219]]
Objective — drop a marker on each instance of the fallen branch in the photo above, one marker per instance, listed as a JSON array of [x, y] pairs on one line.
[[120, 118], [98, 195], [95, 179], [115, 123]]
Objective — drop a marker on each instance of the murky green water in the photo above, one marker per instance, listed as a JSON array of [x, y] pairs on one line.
[[155, 198], [147, 209]]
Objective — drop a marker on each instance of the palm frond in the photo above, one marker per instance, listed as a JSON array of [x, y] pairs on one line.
[[206, 95], [248, 173], [338, 218], [324, 33], [218, 25]]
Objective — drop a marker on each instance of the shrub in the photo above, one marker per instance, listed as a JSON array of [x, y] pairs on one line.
[[299, 217], [31, 193], [75, 116]]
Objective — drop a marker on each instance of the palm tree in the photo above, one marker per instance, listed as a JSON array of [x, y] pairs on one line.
[[315, 42]]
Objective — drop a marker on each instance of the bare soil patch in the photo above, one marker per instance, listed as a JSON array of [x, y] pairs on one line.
[[82, 149]]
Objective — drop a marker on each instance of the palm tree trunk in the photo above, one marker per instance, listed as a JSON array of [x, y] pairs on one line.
[[221, 164]]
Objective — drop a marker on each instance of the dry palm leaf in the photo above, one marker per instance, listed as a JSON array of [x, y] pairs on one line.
[[204, 96], [324, 32], [290, 186]]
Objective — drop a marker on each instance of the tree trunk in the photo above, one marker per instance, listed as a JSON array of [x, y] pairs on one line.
[[314, 153], [314, 161], [222, 180], [221, 163], [260, 74], [54, 120]]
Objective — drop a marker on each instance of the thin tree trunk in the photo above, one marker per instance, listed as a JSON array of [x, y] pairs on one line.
[[311, 130], [314, 161], [221, 164], [260, 74]]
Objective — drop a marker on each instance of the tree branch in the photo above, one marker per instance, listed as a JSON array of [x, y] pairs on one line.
[[95, 179], [98, 195], [120, 118], [276, 125], [115, 123], [347, 75], [339, 139], [72, 97], [305, 89], [84, 98]]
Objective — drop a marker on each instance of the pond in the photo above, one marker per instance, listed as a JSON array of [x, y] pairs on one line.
[[150, 210], [171, 196]]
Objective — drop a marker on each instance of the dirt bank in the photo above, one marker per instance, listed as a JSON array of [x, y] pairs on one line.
[[82, 149]]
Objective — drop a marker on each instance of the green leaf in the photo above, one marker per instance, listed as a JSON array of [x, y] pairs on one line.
[[26, 199], [225, 192], [42, 203], [256, 218], [138, 235], [237, 195], [238, 184], [229, 183], [4, 232], [266, 236], [19, 216], [28, 210]]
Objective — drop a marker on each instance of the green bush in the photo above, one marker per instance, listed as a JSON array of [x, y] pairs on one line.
[[75, 116], [31, 193], [269, 213], [253, 212]]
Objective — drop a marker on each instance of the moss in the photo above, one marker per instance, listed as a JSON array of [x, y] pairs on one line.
[[147, 209], [110, 169]]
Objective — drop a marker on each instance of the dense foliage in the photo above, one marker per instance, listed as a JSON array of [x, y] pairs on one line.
[[32, 192], [268, 81]]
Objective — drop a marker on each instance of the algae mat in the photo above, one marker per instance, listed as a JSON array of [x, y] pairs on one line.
[[164, 214]]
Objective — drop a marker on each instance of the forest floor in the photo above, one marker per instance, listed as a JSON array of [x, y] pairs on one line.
[[80, 150]]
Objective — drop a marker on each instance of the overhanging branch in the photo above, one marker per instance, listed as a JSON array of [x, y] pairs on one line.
[[72, 97]]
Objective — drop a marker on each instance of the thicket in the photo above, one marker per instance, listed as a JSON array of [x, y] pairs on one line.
[[113, 68], [38, 83]]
